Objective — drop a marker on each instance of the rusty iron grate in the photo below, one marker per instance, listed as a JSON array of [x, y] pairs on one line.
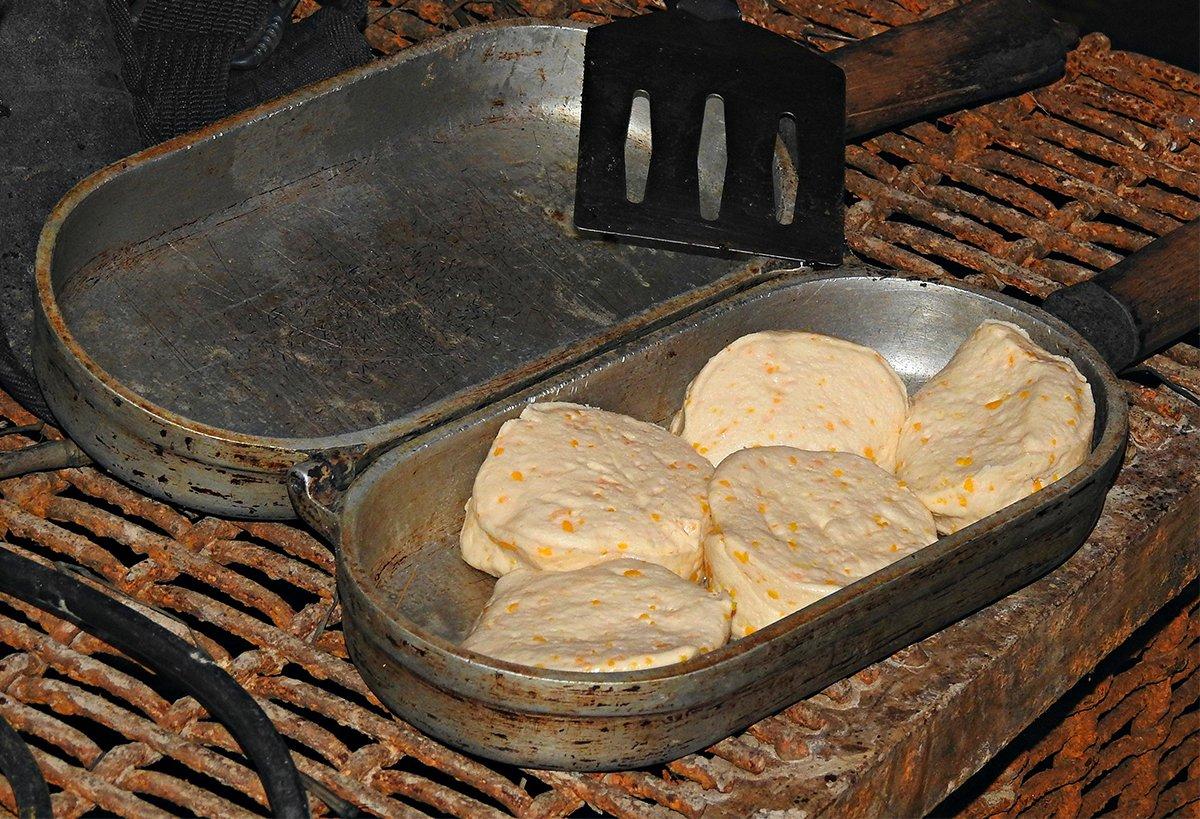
[[1023, 195], [1124, 743]]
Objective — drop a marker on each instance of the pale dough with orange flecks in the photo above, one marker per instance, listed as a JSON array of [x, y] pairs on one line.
[[791, 526], [621, 615], [1003, 419], [794, 389], [566, 486]]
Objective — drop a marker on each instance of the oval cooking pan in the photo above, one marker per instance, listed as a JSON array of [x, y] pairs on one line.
[[408, 599], [338, 270]]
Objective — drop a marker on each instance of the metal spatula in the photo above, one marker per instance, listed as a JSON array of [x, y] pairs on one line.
[[786, 114]]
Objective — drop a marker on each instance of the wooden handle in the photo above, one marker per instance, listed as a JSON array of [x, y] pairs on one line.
[[1140, 304], [976, 52]]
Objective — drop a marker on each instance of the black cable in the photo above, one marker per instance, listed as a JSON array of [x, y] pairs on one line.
[[23, 775], [187, 666]]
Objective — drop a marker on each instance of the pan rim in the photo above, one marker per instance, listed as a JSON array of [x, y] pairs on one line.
[[1109, 443], [49, 318]]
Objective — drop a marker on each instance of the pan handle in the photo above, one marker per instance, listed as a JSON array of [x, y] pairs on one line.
[[975, 52], [317, 489], [1140, 304]]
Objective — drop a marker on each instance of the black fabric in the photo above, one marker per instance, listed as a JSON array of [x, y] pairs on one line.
[[177, 55], [177, 59], [84, 84]]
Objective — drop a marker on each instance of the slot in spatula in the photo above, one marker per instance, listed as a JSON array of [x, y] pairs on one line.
[[787, 112]]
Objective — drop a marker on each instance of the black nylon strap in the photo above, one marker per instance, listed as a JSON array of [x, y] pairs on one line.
[[323, 44], [177, 58]]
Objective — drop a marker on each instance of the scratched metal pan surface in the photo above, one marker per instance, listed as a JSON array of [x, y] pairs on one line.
[[408, 599], [337, 270]]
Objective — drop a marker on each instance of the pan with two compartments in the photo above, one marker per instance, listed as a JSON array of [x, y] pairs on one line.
[[358, 283], [335, 271]]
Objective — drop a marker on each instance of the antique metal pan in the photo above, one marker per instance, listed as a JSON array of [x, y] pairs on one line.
[[375, 254], [408, 598], [367, 261]]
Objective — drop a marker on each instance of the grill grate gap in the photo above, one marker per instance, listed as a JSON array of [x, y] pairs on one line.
[[72, 492], [295, 596], [297, 672]]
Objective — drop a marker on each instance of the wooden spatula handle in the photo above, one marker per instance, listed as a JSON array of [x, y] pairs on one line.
[[976, 52], [1140, 304]]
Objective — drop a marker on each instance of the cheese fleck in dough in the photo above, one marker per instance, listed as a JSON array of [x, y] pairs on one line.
[[1003, 419], [791, 527], [622, 615], [795, 389], [566, 486]]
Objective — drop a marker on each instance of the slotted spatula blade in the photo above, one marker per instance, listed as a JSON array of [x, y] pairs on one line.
[[783, 106], [769, 85]]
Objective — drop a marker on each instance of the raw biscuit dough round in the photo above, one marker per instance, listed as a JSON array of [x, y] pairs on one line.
[[1002, 419], [796, 389], [566, 486], [621, 615], [791, 526]]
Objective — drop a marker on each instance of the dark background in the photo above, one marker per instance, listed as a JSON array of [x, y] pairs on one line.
[[1166, 29]]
